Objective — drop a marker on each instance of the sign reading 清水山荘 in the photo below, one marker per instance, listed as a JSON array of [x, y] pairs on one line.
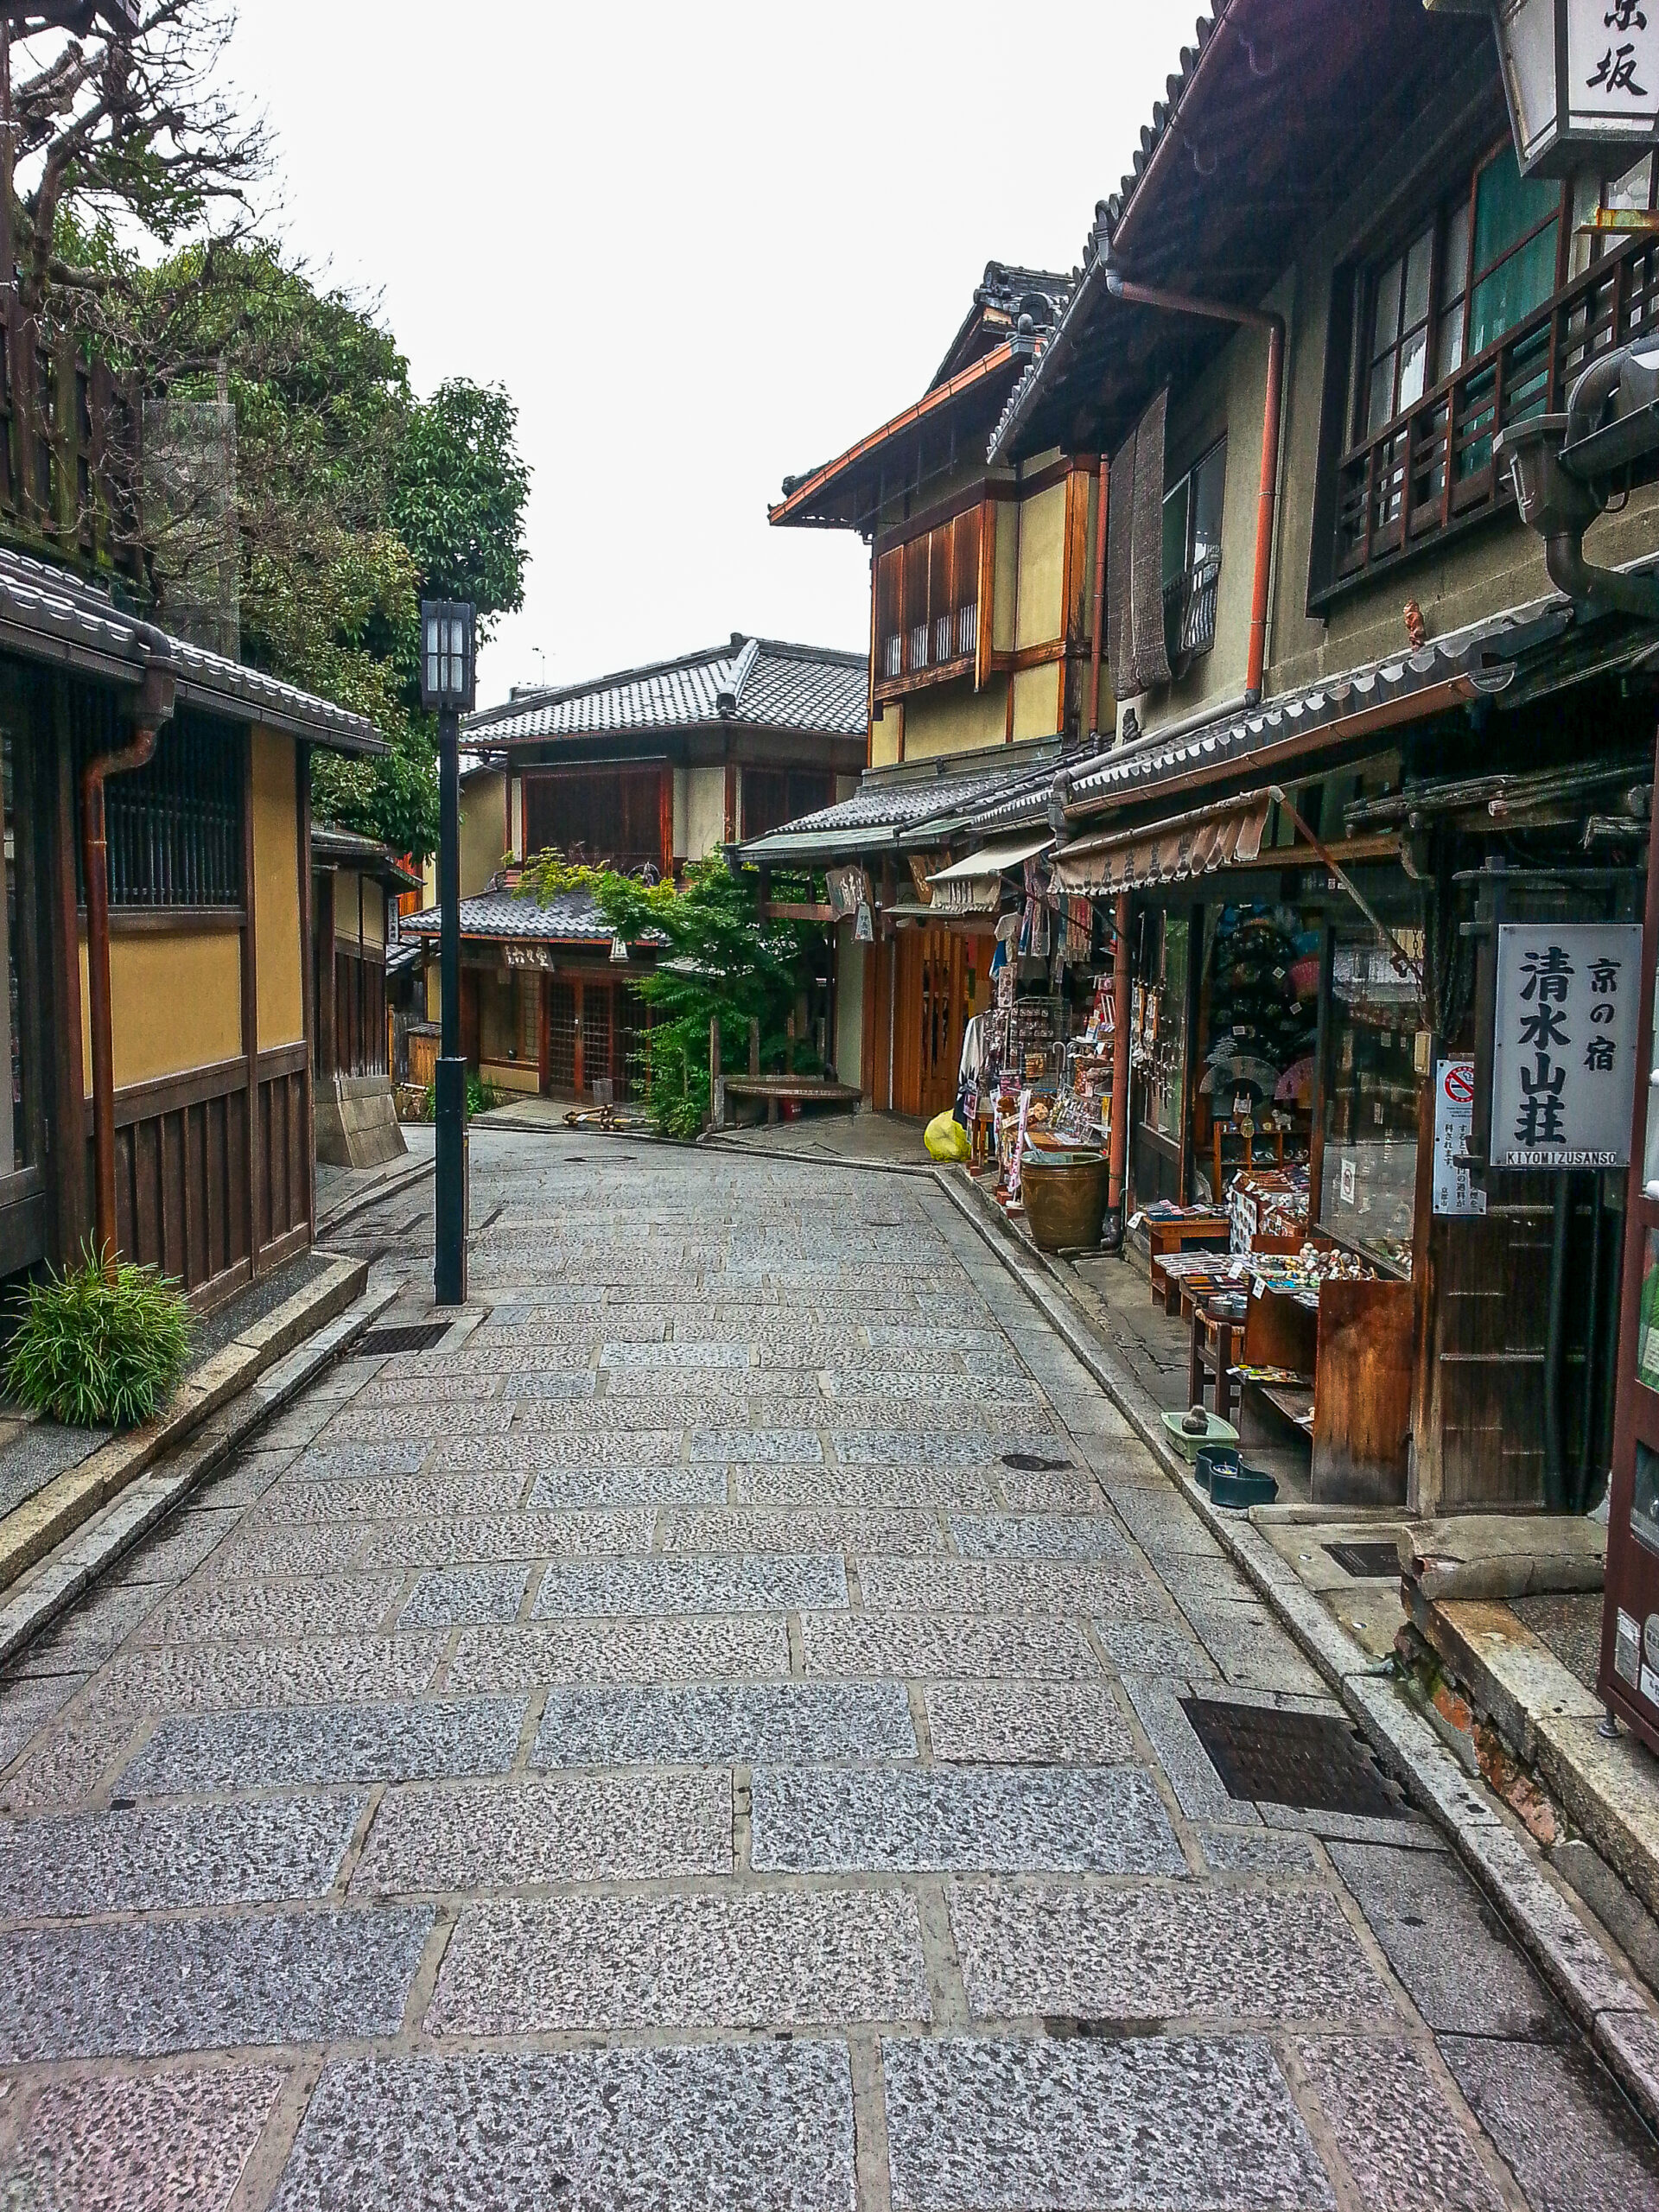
[[1564, 1059]]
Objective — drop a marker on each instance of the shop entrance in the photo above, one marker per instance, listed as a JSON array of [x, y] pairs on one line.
[[928, 984], [592, 1028]]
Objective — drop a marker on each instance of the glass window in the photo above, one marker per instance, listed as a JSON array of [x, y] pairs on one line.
[[1513, 262], [1369, 1192], [1192, 555]]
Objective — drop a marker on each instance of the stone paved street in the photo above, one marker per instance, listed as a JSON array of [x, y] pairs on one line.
[[715, 1734]]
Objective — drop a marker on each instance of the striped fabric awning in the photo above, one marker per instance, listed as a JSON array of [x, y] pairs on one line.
[[1211, 837]]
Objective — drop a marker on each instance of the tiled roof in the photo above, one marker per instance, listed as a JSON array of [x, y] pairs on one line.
[[567, 918], [346, 848], [891, 807], [47, 614], [756, 682]]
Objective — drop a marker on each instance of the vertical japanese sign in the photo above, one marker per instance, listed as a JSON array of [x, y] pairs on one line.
[[1454, 1113], [1613, 62], [1564, 1062]]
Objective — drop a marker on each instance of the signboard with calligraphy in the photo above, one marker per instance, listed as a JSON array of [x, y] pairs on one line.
[[1564, 1059], [1582, 78], [1455, 1193]]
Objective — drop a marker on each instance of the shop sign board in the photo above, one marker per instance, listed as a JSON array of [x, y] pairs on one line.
[[1564, 1057], [850, 889], [1455, 1195], [529, 955]]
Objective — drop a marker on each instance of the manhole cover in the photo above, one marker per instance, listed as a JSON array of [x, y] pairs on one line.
[[1312, 1760], [1032, 1463], [1367, 1562], [420, 1336]]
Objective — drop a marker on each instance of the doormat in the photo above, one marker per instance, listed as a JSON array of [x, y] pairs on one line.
[[419, 1336], [1312, 1760], [1367, 1562]]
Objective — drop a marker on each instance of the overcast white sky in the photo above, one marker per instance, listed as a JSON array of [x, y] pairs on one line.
[[704, 246]]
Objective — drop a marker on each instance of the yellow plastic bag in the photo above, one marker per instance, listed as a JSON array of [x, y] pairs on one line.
[[945, 1138]]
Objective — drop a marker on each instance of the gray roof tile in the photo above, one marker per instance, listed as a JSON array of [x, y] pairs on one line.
[[568, 918], [758, 681]]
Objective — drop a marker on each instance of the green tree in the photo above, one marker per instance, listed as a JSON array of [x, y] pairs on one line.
[[715, 959]]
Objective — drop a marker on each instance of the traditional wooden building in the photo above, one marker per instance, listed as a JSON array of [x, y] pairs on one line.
[[986, 660], [355, 886], [648, 771], [210, 1015]]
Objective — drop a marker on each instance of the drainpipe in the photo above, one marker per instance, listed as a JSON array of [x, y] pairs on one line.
[[1118, 1153], [1149, 295], [154, 707], [1103, 508]]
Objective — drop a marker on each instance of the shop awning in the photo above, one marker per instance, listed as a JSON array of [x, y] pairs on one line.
[[974, 886], [1211, 837]]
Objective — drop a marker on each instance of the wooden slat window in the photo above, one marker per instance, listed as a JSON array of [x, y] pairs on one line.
[[608, 817], [927, 609], [174, 825]]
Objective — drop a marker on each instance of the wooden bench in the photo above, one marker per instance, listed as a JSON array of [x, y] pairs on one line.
[[804, 1089]]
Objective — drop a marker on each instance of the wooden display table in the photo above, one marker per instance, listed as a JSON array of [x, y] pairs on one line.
[[1352, 1356]]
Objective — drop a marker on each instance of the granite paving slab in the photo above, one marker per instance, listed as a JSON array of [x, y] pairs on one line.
[[387, 1424], [1568, 2137], [1037, 1535], [1163, 1523], [690, 1649], [1160, 1953], [270, 1853], [1200, 1791], [758, 2128], [26, 1704], [1248, 1851], [395, 1497], [793, 1447], [768, 1582], [748, 1529], [177, 1548], [854, 1489], [946, 1647], [450, 1596], [502, 1537], [66, 1761], [1049, 1490], [1015, 1820], [586, 1448], [163, 2143], [487, 1839], [1041, 1724], [1405, 2147], [263, 1552], [327, 1744], [319, 1463], [936, 1447], [464, 1388], [1184, 2125], [595, 1487], [762, 1959], [1154, 1648], [1445, 1942], [141, 1988], [311, 1605], [1007, 1585], [736, 1724], [86, 1635], [215, 1677]]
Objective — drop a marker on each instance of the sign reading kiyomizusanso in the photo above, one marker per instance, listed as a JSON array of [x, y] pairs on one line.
[[1564, 1062]]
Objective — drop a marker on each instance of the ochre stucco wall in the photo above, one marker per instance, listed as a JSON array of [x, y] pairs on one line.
[[1042, 562], [176, 1003], [280, 997], [1036, 701], [954, 719], [483, 830]]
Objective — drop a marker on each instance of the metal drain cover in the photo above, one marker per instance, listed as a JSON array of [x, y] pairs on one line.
[[1367, 1562], [1311, 1760], [420, 1336], [1032, 1463]]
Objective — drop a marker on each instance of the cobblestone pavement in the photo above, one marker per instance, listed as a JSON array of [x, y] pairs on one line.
[[688, 1743]]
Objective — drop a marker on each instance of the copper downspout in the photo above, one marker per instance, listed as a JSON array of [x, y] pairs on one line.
[[1148, 295], [1102, 506], [1118, 1153], [154, 707]]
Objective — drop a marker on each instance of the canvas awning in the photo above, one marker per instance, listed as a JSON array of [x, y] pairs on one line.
[[1226, 836], [974, 886]]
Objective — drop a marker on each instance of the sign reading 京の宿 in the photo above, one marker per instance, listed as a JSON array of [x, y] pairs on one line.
[[1564, 1059], [1455, 1194]]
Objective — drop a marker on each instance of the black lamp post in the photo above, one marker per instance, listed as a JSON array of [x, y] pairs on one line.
[[447, 686]]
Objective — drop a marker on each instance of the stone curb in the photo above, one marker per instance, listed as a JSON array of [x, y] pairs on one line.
[[1611, 2010], [231, 1395], [361, 1201]]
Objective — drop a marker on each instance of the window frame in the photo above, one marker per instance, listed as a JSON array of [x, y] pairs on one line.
[[927, 612], [1213, 455]]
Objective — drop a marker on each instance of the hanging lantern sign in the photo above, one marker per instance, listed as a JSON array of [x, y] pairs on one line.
[[1582, 78]]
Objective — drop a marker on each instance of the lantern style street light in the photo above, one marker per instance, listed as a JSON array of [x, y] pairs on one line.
[[448, 688], [1582, 78]]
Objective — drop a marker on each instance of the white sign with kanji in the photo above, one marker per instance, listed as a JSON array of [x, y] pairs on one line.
[[1454, 1113], [1613, 63], [1564, 1059]]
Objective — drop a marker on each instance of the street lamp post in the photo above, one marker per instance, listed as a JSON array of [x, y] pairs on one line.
[[447, 686]]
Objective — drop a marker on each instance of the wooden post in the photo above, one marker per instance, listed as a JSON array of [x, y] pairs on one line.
[[67, 1142], [716, 1086], [754, 1046], [251, 1008], [308, 975]]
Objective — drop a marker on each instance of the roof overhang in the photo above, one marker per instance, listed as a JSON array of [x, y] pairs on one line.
[[846, 493], [974, 886], [1197, 843]]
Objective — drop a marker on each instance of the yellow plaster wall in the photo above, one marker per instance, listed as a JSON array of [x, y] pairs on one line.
[[1005, 577], [483, 831], [705, 810], [955, 719], [888, 735], [176, 1003], [1036, 701], [1039, 615], [280, 998]]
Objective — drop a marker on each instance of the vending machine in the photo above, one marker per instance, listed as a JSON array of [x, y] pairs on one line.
[[1629, 1680]]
